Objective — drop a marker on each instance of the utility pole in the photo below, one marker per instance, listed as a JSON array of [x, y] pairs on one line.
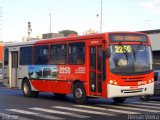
[[147, 24], [0, 21], [29, 30], [101, 16], [50, 23]]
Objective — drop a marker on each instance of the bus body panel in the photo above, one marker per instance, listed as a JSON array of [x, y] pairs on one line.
[[60, 78], [128, 91]]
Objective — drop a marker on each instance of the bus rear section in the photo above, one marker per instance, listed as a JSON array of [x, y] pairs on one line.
[[109, 65]]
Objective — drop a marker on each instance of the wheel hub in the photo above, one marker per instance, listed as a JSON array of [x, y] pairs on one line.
[[25, 88], [78, 93]]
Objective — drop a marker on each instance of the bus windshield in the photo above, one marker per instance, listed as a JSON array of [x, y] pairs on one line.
[[130, 59]]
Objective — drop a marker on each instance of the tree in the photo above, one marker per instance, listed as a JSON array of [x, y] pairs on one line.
[[68, 32]]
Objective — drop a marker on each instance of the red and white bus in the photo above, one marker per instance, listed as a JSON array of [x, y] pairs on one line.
[[108, 65], [1, 56]]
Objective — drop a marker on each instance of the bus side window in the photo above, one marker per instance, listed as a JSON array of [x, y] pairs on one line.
[[41, 55], [76, 55], [156, 76], [26, 55], [58, 54], [6, 55]]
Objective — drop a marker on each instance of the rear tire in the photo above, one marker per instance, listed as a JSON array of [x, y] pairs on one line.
[[119, 100], [79, 93], [144, 97], [26, 88]]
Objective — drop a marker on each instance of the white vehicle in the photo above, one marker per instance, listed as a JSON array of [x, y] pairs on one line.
[[1, 76], [156, 86]]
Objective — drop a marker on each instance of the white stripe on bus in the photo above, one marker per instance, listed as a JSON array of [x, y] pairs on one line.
[[84, 111], [60, 112], [35, 114]]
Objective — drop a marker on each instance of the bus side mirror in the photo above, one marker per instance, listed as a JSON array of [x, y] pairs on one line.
[[107, 53]]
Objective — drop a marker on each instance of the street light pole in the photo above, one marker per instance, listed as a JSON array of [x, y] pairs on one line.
[[29, 30], [101, 17], [50, 24]]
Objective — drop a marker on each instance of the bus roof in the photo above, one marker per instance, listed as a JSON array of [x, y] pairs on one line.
[[62, 39]]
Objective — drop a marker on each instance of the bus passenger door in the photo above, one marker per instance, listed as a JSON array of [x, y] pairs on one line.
[[95, 70], [14, 68]]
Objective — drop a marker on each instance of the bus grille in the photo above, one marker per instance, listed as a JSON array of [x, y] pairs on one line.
[[134, 79], [132, 91]]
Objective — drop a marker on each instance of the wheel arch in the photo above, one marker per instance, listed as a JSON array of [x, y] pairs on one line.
[[24, 79], [27, 79], [79, 92], [76, 81]]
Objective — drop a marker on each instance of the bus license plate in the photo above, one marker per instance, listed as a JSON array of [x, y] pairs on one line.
[[133, 87]]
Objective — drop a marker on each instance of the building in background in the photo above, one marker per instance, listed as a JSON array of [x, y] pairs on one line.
[[52, 35], [155, 42], [89, 31], [43, 36]]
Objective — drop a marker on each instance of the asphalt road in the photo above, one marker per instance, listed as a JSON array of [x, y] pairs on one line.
[[14, 106]]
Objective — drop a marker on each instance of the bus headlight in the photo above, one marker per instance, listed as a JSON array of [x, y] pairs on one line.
[[152, 80], [111, 81], [115, 83]]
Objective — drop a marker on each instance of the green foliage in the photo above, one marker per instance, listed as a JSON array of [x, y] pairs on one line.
[[68, 32]]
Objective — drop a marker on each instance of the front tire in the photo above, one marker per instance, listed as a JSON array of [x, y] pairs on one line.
[[144, 97], [119, 100], [26, 88], [79, 93]]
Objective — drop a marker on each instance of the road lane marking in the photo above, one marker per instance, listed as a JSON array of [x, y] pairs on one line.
[[147, 103], [111, 110], [23, 118], [60, 112], [155, 101], [129, 108], [84, 111], [143, 106], [35, 114]]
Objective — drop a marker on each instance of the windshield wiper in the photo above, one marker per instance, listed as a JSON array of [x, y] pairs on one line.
[[135, 51], [124, 50]]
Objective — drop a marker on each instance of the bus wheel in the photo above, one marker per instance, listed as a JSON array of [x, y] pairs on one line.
[[119, 100], [26, 87], [144, 97], [35, 93], [79, 93]]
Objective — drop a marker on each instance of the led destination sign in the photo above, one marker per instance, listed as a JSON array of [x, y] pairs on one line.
[[128, 38]]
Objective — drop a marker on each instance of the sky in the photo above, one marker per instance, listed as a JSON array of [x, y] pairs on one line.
[[77, 15]]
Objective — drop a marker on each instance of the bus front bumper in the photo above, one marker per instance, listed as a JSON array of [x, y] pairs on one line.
[[129, 91]]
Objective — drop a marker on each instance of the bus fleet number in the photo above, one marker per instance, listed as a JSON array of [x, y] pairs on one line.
[[64, 70], [122, 49]]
